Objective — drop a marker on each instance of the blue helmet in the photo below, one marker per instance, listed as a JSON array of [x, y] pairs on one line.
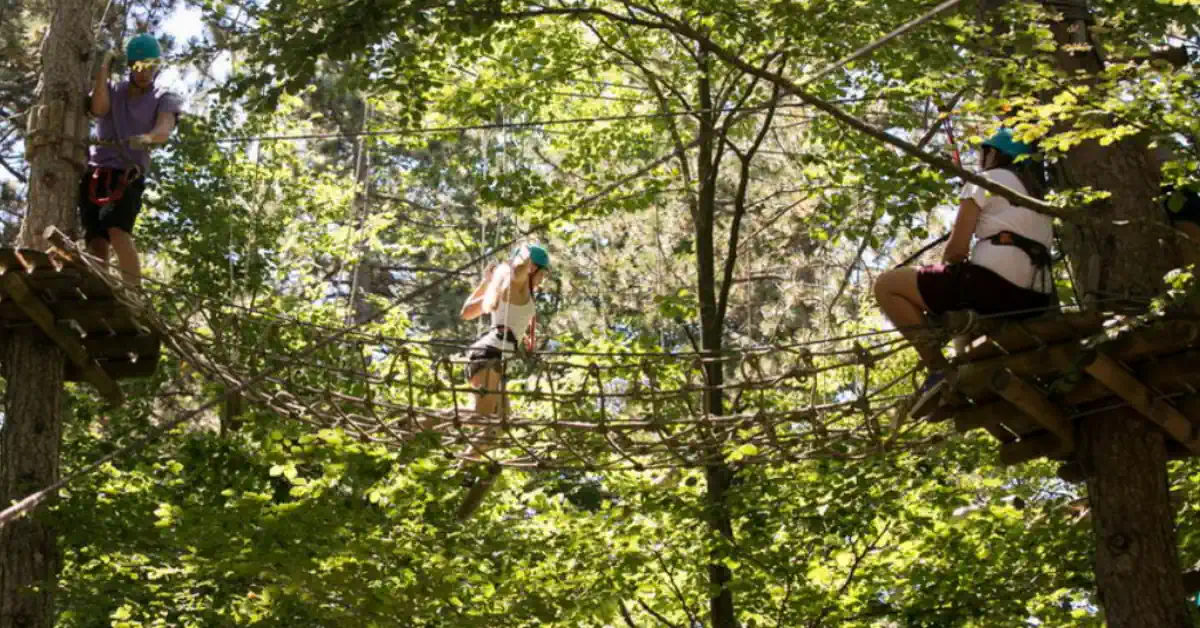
[[537, 255], [143, 47], [1003, 141]]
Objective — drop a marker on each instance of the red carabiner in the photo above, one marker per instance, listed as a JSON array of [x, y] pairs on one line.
[[114, 194]]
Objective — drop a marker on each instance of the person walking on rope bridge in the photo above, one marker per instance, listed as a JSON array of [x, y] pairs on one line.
[[508, 294], [133, 115], [1007, 274]]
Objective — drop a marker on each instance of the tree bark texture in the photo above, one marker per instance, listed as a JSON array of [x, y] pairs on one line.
[[29, 448], [32, 366], [1123, 455]]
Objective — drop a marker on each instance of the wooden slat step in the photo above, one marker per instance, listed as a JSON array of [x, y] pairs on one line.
[[973, 380], [118, 346], [1008, 337]]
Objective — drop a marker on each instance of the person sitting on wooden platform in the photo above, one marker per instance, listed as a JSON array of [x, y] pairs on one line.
[[1008, 273], [133, 115]]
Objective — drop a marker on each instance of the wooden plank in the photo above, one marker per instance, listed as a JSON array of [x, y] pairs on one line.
[[1179, 373], [14, 285], [1020, 336], [974, 379], [998, 413], [1109, 372], [93, 315], [117, 347], [65, 252], [118, 369], [1035, 405]]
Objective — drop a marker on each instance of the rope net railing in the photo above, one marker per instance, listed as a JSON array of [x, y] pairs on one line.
[[569, 409], [596, 411], [835, 397]]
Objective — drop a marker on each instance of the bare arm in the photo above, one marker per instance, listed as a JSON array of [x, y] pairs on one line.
[[473, 307], [499, 285], [163, 125], [959, 245], [100, 100]]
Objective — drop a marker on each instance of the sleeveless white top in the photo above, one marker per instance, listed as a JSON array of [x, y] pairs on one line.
[[513, 316]]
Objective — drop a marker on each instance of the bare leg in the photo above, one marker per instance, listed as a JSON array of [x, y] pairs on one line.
[[489, 381], [900, 300], [127, 256]]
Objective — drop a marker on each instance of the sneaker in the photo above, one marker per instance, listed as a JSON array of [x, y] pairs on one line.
[[928, 396]]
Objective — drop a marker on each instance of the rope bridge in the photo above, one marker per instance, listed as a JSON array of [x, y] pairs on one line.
[[1022, 381], [576, 410], [568, 410]]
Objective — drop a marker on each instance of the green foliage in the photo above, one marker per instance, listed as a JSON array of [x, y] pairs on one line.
[[246, 518]]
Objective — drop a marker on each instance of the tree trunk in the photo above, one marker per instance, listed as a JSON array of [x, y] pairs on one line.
[[29, 444], [718, 476], [32, 367], [1137, 564], [1124, 456], [363, 273]]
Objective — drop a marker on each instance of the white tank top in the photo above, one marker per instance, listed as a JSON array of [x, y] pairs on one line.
[[515, 317]]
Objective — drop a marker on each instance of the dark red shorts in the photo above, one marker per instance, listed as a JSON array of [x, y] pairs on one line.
[[965, 286]]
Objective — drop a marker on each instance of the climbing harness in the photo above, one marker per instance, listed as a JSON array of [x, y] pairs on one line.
[[1038, 254], [115, 193]]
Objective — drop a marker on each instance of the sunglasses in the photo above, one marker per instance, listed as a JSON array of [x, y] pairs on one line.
[[147, 64]]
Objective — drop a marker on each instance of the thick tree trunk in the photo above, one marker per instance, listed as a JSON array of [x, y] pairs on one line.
[[32, 367], [718, 476], [29, 444], [1124, 456], [1137, 565]]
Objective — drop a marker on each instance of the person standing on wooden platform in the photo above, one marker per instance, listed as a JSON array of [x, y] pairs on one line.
[[133, 116], [1008, 273]]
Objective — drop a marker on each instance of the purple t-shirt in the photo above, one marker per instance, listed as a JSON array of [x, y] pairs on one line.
[[126, 119]]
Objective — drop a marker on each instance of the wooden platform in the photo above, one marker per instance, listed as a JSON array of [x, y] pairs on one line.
[[102, 338], [1029, 383]]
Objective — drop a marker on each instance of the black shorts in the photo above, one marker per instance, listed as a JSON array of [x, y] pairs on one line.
[[484, 354], [967, 286], [120, 214]]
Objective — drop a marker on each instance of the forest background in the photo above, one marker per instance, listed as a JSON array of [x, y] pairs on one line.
[[337, 154]]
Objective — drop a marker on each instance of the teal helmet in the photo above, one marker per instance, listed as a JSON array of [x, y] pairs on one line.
[[1003, 141], [143, 47], [536, 254]]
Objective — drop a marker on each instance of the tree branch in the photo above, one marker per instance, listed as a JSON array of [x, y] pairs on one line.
[[666, 22], [626, 616], [675, 589], [739, 206], [655, 614]]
